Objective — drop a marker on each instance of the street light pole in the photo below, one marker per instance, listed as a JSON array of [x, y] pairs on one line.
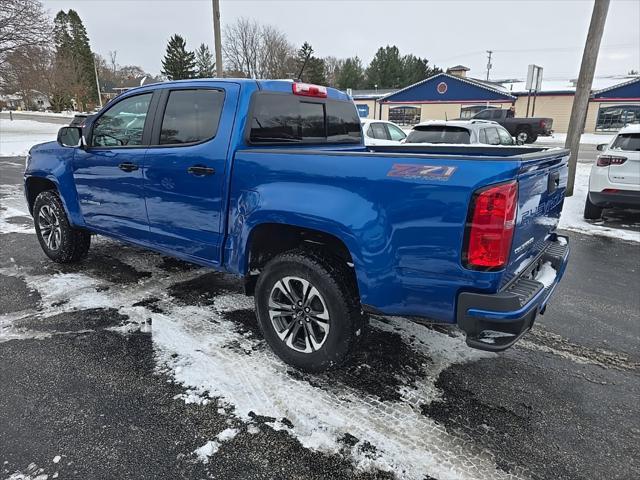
[[489, 52], [217, 37], [583, 87]]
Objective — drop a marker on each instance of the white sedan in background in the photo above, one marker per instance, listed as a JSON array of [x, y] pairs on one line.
[[381, 132], [615, 177]]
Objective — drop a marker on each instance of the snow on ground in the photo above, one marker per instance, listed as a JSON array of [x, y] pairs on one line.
[[205, 351], [572, 212], [211, 447], [18, 136], [65, 114], [587, 138], [14, 213]]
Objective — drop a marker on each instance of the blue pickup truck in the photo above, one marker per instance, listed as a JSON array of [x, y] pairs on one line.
[[271, 181]]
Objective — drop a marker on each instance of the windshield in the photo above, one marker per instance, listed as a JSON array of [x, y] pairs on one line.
[[439, 134], [627, 141]]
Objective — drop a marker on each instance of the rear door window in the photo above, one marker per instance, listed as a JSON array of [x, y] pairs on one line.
[[492, 136], [439, 134], [378, 131], [627, 141], [191, 116], [277, 118]]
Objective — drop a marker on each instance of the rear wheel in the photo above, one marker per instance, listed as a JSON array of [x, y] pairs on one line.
[[59, 240], [591, 211], [308, 310], [523, 135]]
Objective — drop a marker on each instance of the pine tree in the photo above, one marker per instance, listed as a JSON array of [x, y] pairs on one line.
[[73, 76], [351, 74], [205, 64], [302, 59], [416, 69], [83, 55], [178, 62], [386, 69], [310, 68]]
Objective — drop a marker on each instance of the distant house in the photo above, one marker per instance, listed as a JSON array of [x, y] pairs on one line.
[[16, 101], [109, 90]]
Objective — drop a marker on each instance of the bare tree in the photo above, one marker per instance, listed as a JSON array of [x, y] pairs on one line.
[[241, 46], [256, 51], [332, 67], [25, 73], [275, 54], [113, 54], [23, 23]]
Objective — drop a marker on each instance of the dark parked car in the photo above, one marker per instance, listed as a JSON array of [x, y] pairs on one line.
[[79, 119], [526, 130]]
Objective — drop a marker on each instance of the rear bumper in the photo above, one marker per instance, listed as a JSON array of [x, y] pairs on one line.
[[494, 322], [619, 198]]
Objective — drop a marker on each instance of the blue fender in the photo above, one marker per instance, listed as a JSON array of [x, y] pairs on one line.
[[53, 162], [352, 217]]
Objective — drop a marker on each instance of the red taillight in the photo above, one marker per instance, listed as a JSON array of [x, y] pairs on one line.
[[492, 219], [606, 160], [309, 90], [543, 123]]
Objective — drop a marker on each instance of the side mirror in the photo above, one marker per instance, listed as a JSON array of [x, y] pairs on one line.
[[601, 147], [70, 137]]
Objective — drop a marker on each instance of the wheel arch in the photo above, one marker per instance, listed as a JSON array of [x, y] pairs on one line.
[[267, 239]]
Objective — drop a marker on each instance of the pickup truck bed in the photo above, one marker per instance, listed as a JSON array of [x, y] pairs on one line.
[[320, 227]]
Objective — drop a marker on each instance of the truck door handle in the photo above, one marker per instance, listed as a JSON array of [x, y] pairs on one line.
[[128, 167], [200, 171]]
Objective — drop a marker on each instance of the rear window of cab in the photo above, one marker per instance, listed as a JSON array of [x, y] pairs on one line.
[[283, 118]]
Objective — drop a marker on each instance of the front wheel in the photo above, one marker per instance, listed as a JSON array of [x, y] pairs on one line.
[[308, 310], [591, 211], [59, 240]]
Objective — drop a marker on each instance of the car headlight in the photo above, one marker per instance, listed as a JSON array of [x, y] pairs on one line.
[[27, 160]]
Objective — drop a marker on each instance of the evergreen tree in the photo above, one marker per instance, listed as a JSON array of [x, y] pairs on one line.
[[83, 55], [416, 69], [205, 65], [386, 68], [302, 59], [310, 68], [178, 63], [351, 74], [73, 70], [315, 71]]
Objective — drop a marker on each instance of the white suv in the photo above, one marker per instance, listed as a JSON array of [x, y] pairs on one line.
[[381, 132], [615, 178], [475, 132]]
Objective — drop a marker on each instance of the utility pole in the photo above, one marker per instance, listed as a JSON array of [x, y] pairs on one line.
[[583, 87], [217, 37], [95, 70], [489, 63]]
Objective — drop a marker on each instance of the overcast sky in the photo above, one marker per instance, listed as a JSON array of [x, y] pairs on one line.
[[550, 33]]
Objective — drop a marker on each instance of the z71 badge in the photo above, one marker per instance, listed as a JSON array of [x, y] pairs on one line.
[[433, 172]]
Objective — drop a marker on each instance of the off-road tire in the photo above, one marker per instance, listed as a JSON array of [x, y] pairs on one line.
[[591, 211], [74, 243], [336, 284]]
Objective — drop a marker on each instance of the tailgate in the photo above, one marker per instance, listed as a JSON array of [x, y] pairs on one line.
[[541, 188]]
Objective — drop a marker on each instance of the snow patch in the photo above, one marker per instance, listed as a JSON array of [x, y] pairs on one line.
[[212, 446], [546, 275], [13, 205], [18, 136], [572, 212]]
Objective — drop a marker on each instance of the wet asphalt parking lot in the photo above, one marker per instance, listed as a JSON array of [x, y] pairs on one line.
[[134, 365]]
